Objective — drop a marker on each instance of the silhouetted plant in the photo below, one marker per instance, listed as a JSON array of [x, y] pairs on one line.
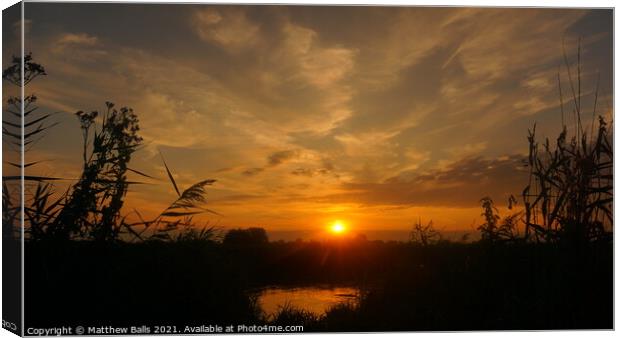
[[287, 314], [488, 229], [206, 233], [22, 136], [190, 201], [35, 125], [41, 211], [10, 212], [92, 209], [31, 70], [176, 223], [424, 234], [570, 190], [494, 227]]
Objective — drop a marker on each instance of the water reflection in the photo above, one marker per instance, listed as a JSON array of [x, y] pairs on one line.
[[314, 299]]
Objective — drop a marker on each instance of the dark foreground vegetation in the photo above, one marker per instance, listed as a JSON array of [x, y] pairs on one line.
[[446, 286], [547, 265]]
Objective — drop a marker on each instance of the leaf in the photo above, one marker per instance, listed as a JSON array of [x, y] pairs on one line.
[[37, 120], [180, 213], [26, 165], [140, 173], [15, 125], [38, 130], [210, 211], [132, 231], [8, 133], [26, 113], [170, 175]]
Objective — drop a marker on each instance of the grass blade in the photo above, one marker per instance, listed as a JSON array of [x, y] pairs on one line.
[[170, 175]]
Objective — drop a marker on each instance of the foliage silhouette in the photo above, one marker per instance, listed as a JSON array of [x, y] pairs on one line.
[[91, 208], [495, 228], [570, 191], [424, 234], [22, 127]]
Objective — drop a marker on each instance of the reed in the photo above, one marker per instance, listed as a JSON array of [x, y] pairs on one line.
[[569, 195]]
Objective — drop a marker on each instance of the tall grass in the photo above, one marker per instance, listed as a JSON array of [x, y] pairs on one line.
[[570, 191]]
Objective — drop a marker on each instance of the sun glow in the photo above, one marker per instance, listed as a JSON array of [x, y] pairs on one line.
[[337, 227]]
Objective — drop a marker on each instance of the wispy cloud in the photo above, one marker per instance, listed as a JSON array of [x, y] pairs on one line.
[[460, 184], [228, 27], [77, 39]]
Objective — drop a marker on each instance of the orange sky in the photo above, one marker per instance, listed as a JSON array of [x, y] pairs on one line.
[[305, 115]]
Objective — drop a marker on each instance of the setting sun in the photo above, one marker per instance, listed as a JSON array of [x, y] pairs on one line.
[[337, 227]]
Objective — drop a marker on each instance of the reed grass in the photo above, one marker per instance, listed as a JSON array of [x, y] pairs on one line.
[[570, 191]]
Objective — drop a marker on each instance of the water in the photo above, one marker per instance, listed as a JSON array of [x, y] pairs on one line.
[[314, 299]]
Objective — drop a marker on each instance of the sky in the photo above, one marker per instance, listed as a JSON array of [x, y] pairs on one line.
[[375, 116]]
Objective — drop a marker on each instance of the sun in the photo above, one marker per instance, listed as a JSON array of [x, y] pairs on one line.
[[337, 227]]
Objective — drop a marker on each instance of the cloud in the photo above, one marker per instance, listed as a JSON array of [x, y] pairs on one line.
[[319, 65], [462, 62], [252, 171], [178, 105], [174, 120], [17, 27], [460, 184], [491, 61], [235, 199], [297, 81], [307, 172], [273, 160], [281, 157], [227, 27], [78, 39], [305, 79], [79, 47]]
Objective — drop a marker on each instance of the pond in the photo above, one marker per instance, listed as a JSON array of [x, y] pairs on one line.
[[314, 299]]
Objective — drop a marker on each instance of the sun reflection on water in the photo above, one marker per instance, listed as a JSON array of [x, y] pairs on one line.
[[313, 299]]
